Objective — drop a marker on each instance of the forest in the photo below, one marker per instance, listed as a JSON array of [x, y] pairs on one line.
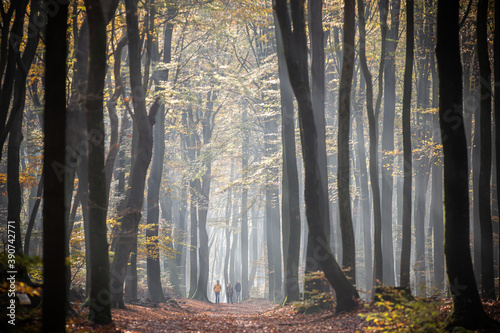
[[262, 166]]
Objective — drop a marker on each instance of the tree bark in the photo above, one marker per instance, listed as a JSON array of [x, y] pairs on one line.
[[245, 293], [467, 309], [290, 205], [318, 106], [296, 55], [131, 214], [155, 288], [407, 150], [388, 144], [54, 205], [496, 73], [343, 171], [100, 307], [487, 271], [372, 127], [14, 43], [204, 199]]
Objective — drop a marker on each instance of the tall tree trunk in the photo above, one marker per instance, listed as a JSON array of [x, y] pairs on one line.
[[343, 171], [228, 228], [54, 205], [290, 205], [372, 127], [318, 106], [245, 293], [14, 43], [13, 185], [131, 214], [484, 187], [204, 199], [437, 221], [388, 144], [295, 47], [155, 288], [100, 307], [496, 72], [467, 309], [193, 258], [232, 257], [364, 192]]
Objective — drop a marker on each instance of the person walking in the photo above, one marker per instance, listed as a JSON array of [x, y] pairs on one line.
[[237, 288], [217, 289], [229, 292]]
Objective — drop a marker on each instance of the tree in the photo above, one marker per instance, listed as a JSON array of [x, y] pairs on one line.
[[318, 104], [487, 271], [372, 126], [407, 159], [290, 205], [349, 258], [208, 123], [16, 120], [467, 309], [388, 142], [54, 205], [294, 42], [155, 289], [100, 307], [131, 212]]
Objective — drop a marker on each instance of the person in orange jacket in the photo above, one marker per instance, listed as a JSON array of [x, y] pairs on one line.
[[217, 289]]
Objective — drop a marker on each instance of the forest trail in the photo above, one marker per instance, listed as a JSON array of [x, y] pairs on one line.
[[256, 315]]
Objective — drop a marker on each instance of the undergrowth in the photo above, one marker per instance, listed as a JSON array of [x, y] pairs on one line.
[[410, 316]]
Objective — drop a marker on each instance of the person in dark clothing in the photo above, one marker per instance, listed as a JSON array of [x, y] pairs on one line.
[[237, 288], [229, 292]]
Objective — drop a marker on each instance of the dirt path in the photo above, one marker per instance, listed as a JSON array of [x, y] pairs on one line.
[[256, 315], [194, 316]]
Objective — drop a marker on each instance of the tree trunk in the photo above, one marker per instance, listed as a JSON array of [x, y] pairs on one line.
[[100, 307], [14, 43], [290, 205], [407, 150], [245, 293], [204, 200], [318, 106], [372, 126], [131, 214], [13, 185], [296, 55], [364, 192], [155, 288], [193, 258], [228, 228], [484, 187], [343, 171], [467, 309], [131, 274], [54, 206], [16, 119], [496, 72], [388, 145]]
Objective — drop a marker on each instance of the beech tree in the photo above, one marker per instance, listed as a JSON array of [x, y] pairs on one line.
[[294, 42], [467, 309]]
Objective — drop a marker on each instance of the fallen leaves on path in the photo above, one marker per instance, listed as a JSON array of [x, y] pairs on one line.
[[257, 315]]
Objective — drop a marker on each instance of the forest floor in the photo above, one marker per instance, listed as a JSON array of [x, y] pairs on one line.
[[256, 315], [260, 315]]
